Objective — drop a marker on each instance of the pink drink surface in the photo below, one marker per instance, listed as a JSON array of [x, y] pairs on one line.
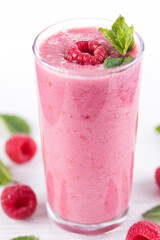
[[88, 129]]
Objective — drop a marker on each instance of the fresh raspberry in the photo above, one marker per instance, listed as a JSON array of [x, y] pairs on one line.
[[144, 230], [20, 148], [86, 53], [18, 201], [157, 176]]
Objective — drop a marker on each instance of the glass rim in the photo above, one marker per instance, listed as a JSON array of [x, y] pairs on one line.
[[60, 69]]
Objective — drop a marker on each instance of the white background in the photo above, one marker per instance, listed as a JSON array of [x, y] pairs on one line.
[[20, 22]]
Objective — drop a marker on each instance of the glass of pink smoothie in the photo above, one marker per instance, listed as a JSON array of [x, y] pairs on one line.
[[88, 121]]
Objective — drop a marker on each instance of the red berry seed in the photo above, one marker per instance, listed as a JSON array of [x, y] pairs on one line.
[[20, 148], [157, 176], [144, 230], [86, 53], [18, 201]]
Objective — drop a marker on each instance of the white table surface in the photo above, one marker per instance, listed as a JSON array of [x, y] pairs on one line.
[[20, 21]]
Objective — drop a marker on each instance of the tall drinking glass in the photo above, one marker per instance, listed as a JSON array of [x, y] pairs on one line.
[[88, 121]]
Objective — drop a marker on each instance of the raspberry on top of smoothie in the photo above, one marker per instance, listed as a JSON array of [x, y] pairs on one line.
[[86, 52]]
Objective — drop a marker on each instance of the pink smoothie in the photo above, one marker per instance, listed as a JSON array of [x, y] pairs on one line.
[[88, 121]]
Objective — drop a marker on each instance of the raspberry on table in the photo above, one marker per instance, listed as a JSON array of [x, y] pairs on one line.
[[144, 230], [157, 176], [86, 53], [20, 148], [18, 201]]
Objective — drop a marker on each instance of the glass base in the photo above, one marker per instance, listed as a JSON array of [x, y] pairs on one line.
[[87, 229]]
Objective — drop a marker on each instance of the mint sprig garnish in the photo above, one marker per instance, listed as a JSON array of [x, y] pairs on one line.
[[15, 124], [110, 62], [120, 36], [158, 129], [5, 174], [153, 213], [26, 238], [127, 60]]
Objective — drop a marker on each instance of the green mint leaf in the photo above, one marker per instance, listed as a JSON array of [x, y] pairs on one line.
[[127, 60], [112, 62], [153, 213], [131, 44], [158, 129], [25, 238], [120, 36], [5, 174], [15, 124], [115, 62]]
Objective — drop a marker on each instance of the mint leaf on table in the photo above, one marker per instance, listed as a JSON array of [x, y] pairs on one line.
[[25, 238], [153, 213], [158, 129], [15, 124], [120, 36], [5, 174], [110, 62]]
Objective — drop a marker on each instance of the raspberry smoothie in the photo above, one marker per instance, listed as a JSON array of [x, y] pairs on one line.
[[88, 119]]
